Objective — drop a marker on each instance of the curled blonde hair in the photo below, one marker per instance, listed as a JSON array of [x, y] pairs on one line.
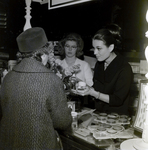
[[73, 37]]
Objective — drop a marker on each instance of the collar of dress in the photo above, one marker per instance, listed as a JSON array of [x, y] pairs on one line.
[[108, 74]]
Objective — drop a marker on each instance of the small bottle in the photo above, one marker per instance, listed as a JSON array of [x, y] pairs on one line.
[[74, 120]]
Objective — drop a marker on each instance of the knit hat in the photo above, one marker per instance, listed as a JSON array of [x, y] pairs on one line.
[[31, 39]]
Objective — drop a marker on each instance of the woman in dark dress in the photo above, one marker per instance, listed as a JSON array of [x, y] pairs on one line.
[[112, 75]]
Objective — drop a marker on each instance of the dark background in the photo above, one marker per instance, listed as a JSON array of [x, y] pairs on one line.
[[85, 19]]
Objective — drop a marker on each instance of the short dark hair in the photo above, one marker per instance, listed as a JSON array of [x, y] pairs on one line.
[[116, 31], [106, 36]]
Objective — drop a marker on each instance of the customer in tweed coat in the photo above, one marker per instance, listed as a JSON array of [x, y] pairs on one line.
[[32, 99]]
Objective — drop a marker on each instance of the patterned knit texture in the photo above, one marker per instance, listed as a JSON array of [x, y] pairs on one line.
[[33, 105]]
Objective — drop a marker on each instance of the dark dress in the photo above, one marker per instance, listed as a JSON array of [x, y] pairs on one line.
[[116, 82], [34, 105]]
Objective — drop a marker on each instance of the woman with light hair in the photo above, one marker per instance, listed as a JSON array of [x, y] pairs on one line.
[[72, 49]]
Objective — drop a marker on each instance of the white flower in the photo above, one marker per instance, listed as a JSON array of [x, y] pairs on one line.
[[58, 62], [59, 75], [67, 72]]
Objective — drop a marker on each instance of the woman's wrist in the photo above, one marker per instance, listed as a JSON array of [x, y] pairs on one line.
[[95, 94], [98, 95]]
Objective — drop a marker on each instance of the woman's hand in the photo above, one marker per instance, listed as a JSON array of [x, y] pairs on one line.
[[84, 93], [94, 93], [90, 91]]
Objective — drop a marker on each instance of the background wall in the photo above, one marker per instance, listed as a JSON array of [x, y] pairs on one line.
[[84, 19]]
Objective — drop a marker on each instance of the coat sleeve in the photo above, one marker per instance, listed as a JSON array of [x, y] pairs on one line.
[[57, 105]]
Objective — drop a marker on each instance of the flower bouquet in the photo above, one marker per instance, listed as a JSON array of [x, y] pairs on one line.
[[67, 75]]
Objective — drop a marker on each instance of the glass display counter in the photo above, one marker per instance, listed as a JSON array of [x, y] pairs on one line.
[[94, 134], [73, 142]]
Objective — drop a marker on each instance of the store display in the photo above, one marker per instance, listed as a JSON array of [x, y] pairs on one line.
[[113, 119], [104, 126]]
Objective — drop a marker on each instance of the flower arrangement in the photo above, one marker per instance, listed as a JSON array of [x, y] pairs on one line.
[[67, 75]]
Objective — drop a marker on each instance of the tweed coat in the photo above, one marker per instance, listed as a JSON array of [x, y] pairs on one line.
[[33, 105]]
